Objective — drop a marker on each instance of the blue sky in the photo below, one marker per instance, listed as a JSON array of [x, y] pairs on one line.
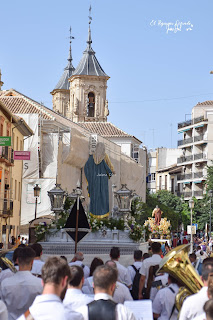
[[155, 77]]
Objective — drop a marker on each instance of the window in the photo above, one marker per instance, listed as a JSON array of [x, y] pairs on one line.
[[153, 176], [165, 182], [2, 130], [91, 105], [15, 193], [160, 182], [19, 191], [17, 143], [21, 145]]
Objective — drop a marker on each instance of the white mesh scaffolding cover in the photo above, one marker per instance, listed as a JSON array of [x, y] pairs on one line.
[[28, 200], [31, 168], [131, 174], [49, 154], [79, 150]]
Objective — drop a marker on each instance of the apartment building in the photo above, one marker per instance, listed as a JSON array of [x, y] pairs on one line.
[[197, 150], [163, 170], [10, 172]]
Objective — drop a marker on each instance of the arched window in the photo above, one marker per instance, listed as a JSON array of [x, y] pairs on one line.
[[91, 105]]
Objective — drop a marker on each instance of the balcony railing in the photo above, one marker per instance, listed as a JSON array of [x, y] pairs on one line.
[[6, 207], [191, 140], [190, 122], [7, 154], [192, 157], [198, 193], [185, 141], [189, 176], [185, 159]]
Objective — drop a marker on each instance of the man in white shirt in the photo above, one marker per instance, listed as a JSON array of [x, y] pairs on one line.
[[193, 305], [121, 293], [74, 297], [123, 273], [164, 303], [19, 291], [103, 307], [55, 276], [37, 263], [3, 311], [155, 259], [78, 261], [137, 264]]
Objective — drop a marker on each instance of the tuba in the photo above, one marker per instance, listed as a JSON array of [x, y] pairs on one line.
[[178, 265]]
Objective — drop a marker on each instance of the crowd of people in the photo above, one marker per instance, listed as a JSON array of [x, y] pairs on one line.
[[59, 289]]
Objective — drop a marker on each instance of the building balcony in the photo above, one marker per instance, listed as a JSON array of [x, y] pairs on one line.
[[185, 141], [7, 155], [190, 122], [187, 194], [185, 159], [6, 208], [191, 140], [184, 176], [198, 193], [192, 157], [189, 176]]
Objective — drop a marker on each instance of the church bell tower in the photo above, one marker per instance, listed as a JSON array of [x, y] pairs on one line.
[[88, 86]]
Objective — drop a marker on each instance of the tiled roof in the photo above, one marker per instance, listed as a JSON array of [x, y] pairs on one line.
[[208, 103], [18, 103], [105, 129]]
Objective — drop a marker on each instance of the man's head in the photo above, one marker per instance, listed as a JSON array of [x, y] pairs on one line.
[[208, 308], [25, 257], [138, 255], [56, 274], [171, 279], [115, 253], [77, 277], [146, 256], [37, 248], [192, 257], [79, 256], [15, 255], [198, 248], [207, 268], [111, 264], [156, 248], [104, 279]]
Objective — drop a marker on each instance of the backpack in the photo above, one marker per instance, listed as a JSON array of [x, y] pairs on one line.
[[135, 285]]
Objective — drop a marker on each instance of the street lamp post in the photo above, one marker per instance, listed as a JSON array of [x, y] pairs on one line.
[[36, 190], [57, 197], [191, 206], [124, 196]]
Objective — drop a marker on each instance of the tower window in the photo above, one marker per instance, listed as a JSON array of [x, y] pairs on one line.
[[91, 105]]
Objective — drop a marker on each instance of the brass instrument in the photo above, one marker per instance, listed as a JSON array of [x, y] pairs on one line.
[[178, 265]]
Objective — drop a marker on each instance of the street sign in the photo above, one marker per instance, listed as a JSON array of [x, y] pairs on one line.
[[5, 141], [21, 155], [189, 229]]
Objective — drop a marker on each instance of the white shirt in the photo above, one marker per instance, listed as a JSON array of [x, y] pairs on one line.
[[85, 268], [164, 302], [37, 266], [75, 298], [123, 274], [122, 312], [154, 290], [7, 273], [3, 311], [50, 307], [201, 317], [147, 263], [132, 272], [18, 292], [193, 305], [121, 293]]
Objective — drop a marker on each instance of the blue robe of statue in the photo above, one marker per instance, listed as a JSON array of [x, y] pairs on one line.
[[97, 176]]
